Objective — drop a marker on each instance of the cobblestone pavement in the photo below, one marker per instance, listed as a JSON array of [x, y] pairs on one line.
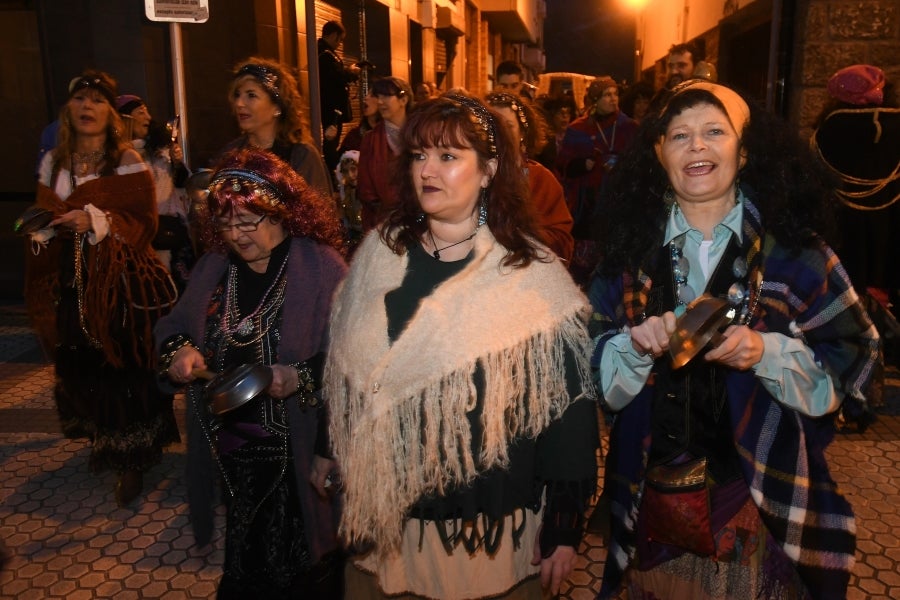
[[66, 538]]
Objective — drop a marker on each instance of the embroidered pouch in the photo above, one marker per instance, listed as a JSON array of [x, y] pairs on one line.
[[675, 508]]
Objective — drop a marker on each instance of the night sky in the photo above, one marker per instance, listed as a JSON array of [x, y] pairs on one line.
[[593, 37]]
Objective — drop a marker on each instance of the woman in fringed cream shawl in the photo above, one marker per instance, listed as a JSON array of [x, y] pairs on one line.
[[462, 412]]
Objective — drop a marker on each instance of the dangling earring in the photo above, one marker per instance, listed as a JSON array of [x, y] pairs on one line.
[[669, 196], [420, 218], [277, 113], [482, 207]]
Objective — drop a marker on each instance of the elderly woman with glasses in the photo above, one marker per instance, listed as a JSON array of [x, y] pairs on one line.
[[266, 102], [261, 296], [394, 98]]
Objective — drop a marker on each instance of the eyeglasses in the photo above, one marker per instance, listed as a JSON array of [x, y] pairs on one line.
[[242, 226]]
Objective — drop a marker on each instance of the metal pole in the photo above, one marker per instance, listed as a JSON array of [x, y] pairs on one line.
[[312, 51], [363, 58], [178, 82]]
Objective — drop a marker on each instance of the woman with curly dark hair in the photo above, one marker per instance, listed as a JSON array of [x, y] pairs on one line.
[[261, 296], [466, 428], [716, 481], [269, 110]]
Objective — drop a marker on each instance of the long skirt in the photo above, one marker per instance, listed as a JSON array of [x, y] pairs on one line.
[[266, 554], [747, 563], [121, 410]]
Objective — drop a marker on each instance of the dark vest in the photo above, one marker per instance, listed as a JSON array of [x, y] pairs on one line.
[[690, 412]]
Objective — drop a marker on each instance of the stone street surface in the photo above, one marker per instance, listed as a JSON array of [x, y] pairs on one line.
[[65, 537]]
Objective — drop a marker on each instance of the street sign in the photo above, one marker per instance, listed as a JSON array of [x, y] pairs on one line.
[[177, 11]]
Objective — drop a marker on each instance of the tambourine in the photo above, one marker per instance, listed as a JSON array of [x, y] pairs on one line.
[[700, 326], [33, 219]]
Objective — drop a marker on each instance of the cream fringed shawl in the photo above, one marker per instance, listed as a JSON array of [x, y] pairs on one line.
[[398, 413]]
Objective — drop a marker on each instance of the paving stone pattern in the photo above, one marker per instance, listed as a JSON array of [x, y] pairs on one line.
[[66, 538]]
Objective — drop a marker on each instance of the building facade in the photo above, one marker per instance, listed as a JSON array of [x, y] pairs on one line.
[[780, 51]]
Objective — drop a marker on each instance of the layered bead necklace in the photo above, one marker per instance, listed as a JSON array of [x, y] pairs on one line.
[[233, 324], [738, 294]]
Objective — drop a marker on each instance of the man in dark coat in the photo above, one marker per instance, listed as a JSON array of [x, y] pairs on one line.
[[334, 93]]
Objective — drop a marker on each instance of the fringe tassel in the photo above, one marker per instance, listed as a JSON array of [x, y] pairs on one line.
[[422, 444]]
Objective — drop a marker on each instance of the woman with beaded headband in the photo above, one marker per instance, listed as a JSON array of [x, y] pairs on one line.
[[94, 288], [546, 193], [716, 484], [466, 431], [261, 296], [269, 112]]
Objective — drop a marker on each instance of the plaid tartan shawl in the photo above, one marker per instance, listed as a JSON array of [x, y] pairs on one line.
[[806, 295]]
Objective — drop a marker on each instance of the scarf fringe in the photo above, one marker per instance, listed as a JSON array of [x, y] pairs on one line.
[[423, 444]]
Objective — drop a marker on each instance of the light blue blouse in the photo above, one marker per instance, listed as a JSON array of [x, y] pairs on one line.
[[787, 369]]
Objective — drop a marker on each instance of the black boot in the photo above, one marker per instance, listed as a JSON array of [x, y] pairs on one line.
[[129, 487]]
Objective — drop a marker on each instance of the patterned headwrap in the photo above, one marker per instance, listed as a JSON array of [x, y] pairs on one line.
[[514, 103], [265, 76], [482, 117], [259, 190]]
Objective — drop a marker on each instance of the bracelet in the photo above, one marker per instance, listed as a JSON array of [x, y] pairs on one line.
[[172, 345], [306, 384]]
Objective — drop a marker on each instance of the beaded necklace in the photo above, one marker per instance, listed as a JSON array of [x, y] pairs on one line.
[[232, 323], [738, 294]]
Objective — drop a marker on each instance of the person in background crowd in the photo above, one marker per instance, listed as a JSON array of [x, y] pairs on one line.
[[334, 90], [155, 145], [716, 482], [379, 148], [559, 112], [370, 118], [269, 112], [347, 177], [681, 64], [95, 288], [466, 432], [590, 149], [425, 90], [510, 78], [636, 101], [546, 194], [261, 296], [857, 137]]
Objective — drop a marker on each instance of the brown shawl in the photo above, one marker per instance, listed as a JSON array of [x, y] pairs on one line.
[[123, 277]]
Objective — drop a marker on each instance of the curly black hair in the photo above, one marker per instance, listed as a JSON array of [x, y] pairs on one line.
[[793, 192]]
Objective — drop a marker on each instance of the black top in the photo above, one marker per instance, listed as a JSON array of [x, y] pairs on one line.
[[499, 492]]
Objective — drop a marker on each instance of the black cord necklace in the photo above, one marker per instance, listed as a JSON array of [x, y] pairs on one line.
[[437, 251]]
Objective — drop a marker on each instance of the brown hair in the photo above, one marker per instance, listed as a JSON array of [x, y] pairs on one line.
[[449, 122], [281, 86]]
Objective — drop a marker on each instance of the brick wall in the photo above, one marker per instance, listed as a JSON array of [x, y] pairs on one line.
[[832, 34]]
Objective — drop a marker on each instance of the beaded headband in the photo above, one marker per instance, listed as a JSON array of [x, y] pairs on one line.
[[94, 83], [504, 99], [258, 186], [264, 75], [482, 117]]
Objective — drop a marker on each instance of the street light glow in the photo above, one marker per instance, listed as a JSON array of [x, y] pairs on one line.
[[635, 4]]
